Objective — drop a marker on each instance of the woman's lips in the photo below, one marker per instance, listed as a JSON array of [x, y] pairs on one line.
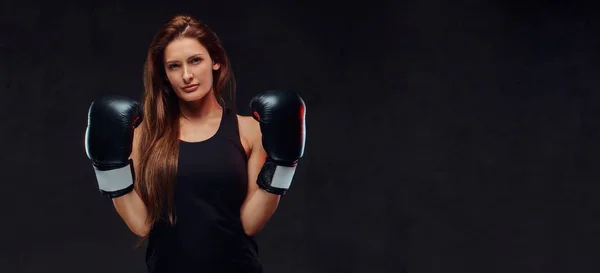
[[190, 88]]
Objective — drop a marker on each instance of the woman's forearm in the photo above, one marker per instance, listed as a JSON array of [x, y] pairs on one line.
[[133, 211], [258, 210]]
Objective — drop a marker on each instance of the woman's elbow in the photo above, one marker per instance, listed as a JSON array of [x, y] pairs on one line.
[[251, 231], [140, 230], [252, 228]]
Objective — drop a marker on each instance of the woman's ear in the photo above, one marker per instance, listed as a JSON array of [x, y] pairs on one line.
[[216, 65]]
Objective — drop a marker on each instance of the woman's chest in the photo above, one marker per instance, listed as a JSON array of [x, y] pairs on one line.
[[212, 167]]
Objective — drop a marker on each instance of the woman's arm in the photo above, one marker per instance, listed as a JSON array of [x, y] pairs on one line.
[[132, 210], [130, 206], [259, 205]]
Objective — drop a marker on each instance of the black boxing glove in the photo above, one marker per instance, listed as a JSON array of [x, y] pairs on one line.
[[281, 115], [109, 141]]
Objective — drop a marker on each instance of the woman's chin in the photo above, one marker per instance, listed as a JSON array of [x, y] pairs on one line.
[[192, 96]]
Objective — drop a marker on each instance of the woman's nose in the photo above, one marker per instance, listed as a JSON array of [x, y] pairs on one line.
[[187, 75]]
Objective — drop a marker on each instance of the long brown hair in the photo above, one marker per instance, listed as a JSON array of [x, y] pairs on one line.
[[159, 132]]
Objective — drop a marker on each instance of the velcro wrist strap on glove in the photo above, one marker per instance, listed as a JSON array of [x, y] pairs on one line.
[[275, 178], [116, 182]]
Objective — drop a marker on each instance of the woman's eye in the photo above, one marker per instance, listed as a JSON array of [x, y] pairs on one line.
[[173, 66], [196, 60]]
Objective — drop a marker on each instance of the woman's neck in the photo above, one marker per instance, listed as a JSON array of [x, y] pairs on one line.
[[199, 110]]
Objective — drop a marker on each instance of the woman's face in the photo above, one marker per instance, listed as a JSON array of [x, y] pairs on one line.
[[189, 68]]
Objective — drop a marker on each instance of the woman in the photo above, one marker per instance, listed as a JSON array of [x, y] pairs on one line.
[[185, 171]]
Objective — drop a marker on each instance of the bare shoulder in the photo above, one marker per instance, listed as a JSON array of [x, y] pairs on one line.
[[249, 129]]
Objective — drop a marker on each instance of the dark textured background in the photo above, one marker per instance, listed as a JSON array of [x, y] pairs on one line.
[[443, 136]]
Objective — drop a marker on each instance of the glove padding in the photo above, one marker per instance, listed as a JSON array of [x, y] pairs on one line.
[[109, 141], [281, 115]]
